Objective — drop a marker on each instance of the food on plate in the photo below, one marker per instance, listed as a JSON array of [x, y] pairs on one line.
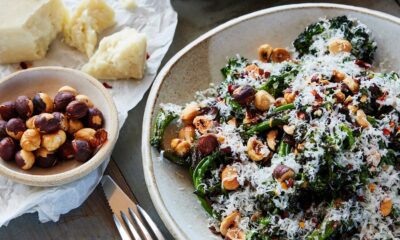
[[90, 18], [28, 27], [299, 144], [121, 55], [128, 4], [48, 130]]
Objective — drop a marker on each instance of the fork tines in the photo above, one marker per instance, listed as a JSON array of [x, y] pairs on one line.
[[137, 229]]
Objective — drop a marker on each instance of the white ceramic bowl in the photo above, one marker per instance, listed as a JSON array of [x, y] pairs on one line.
[[49, 80], [199, 64]]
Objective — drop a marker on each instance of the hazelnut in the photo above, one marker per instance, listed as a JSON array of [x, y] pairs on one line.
[[271, 139], [339, 45], [24, 107], [256, 149], [3, 132], [66, 151], [7, 110], [232, 220], [229, 178], [30, 140], [30, 123], [280, 101], [15, 127], [280, 55], [235, 234], [7, 149], [62, 120], [361, 119], [46, 123], [74, 126], [338, 76], [82, 150], [190, 112], [53, 141], [24, 159], [289, 97], [86, 134], [76, 110], [62, 99], [95, 118], [203, 124], [85, 99], [207, 144], [386, 206], [232, 122], [45, 158], [264, 52], [187, 133], [282, 173], [100, 138], [42, 103], [263, 100], [68, 89], [289, 129], [180, 147], [244, 95], [353, 85]]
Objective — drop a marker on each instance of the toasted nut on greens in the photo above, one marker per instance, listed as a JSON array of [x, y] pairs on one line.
[[229, 221]]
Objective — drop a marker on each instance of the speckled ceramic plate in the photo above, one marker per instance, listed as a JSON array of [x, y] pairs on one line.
[[199, 64]]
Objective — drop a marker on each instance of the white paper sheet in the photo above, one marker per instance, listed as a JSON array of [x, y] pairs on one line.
[[155, 18]]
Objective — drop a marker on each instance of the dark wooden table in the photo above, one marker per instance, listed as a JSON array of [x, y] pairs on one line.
[[93, 219]]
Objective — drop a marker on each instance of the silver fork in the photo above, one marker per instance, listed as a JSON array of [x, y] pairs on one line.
[[136, 222]]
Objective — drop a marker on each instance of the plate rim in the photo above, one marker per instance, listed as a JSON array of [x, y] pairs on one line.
[[147, 161]]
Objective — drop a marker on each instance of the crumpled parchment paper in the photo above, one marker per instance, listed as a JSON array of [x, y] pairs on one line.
[[155, 18]]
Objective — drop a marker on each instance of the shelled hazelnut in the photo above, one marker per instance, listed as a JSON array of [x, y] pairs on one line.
[[24, 107], [70, 127], [7, 110], [42, 103]]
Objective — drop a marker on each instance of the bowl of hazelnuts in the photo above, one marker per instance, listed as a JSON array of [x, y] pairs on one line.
[[56, 125]]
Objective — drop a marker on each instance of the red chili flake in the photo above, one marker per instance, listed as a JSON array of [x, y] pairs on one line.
[[360, 198], [301, 115], [230, 88], [267, 74], [362, 64], [107, 85], [147, 56], [315, 78], [386, 132], [25, 65], [383, 97], [349, 166], [260, 72], [285, 214], [392, 124], [290, 183]]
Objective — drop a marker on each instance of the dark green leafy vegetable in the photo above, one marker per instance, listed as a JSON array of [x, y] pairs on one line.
[[176, 159], [161, 122], [350, 140], [278, 83]]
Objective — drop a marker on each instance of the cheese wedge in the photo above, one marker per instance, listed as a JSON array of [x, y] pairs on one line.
[[27, 27], [90, 18], [121, 55]]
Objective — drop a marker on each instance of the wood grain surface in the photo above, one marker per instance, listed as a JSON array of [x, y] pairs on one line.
[[93, 219]]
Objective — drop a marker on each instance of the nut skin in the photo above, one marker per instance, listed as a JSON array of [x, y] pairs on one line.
[[229, 178], [82, 150], [207, 144], [180, 147], [42, 103], [244, 95], [85, 99], [30, 123], [74, 126], [7, 110], [62, 99], [279, 55], [63, 121], [95, 118], [282, 173], [76, 110], [24, 107], [7, 149], [86, 134], [68, 89], [45, 159], [190, 112], [15, 127], [53, 141], [46, 123], [25, 159], [30, 140], [264, 52], [66, 151], [263, 100], [3, 132]]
